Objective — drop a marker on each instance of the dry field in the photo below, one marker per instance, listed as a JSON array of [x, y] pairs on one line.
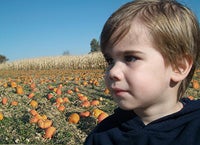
[[56, 100]]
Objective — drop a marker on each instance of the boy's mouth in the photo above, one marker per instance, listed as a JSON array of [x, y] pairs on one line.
[[118, 92]]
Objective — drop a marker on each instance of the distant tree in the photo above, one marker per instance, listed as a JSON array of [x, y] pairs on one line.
[[66, 52], [3, 59], [95, 46]]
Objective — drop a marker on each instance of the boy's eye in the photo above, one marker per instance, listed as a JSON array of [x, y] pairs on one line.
[[109, 61], [130, 58]]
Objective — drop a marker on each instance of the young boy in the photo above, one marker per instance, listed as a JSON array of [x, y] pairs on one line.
[[152, 49]]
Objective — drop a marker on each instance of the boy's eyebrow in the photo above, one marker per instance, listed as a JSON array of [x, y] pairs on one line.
[[126, 52], [132, 52]]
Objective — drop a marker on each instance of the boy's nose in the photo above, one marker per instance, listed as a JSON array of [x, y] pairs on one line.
[[115, 73]]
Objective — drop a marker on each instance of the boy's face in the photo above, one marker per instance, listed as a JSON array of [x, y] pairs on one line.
[[137, 75]]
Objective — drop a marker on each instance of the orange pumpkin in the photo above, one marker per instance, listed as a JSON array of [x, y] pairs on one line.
[[82, 97], [85, 83], [66, 100], [19, 90], [38, 116], [49, 132], [101, 117], [195, 84], [70, 92], [5, 85], [85, 104], [59, 100], [94, 102], [84, 114], [96, 112], [49, 96], [61, 108], [14, 103], [34, 119], [74, 118], [34, 103], [33, 85], [44, 123], [4, 100], [76, 89], [191, 97], [58, 91], [31, 95], [33, 112], [13, 84], [106, 91], [44, 117], [1, 116]]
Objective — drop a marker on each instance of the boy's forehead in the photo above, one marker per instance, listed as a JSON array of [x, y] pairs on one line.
[[138, 33], [138, 30]]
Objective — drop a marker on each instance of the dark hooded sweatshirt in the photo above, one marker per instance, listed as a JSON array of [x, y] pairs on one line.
[[126, 128]]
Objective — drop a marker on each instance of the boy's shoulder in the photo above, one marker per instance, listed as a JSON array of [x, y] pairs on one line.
[[120, 117], [124, 127], [117, 118]]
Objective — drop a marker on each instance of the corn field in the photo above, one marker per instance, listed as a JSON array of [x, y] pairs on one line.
[[89, 61]]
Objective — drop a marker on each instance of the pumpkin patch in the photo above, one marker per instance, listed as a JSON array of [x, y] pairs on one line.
[[56, 106]]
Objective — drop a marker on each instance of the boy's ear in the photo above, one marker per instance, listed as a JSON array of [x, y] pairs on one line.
[[182, 69]]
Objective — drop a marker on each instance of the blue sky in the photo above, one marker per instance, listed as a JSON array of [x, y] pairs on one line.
[[37, 28]]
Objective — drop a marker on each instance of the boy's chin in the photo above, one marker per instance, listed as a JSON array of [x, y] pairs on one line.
[[125, 107]]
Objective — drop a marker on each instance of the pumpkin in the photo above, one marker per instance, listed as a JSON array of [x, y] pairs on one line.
[[5, 85], [61, 108], [195, 84], [44, 123], [58, 91], [31, 95], [85, 83], [94, 102], [70, 92], [96, 112], [33, 85], [19, 90], [191, 97], [60, 86], [96, 83], [34, 119], [33, 112], [66, 100], [82, 97], [84, 114], [38, 116], [14, 103], [49, 132], [76, 89], [4, 100], [59, 100], [49, 96], [74, 118], [34, 103], [44, 117], [101, 117], [85, 104], [106, 91], [1, 116], [13, 84]]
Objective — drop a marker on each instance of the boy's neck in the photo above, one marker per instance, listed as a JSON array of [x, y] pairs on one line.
[[151, 114]]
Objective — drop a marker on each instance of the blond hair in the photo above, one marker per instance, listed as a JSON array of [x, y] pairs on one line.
[[173, 26]]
